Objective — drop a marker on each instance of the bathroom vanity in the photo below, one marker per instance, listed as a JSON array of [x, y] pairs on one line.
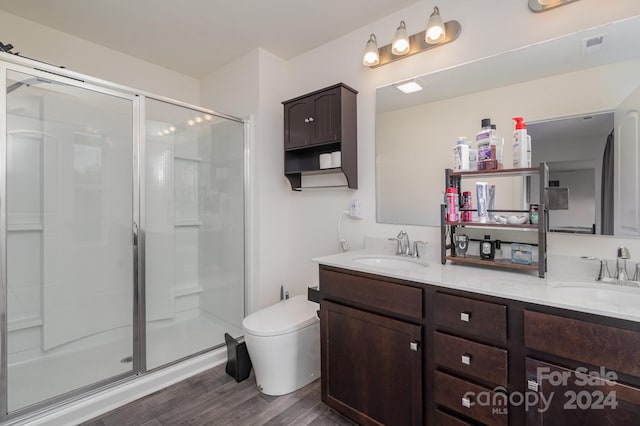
[[452, 345]]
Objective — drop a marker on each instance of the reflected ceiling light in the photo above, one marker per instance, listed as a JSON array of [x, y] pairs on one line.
[[400, 44], [166, 132], [435, 31], [198, 119], [544, 5], [436, 34], [172, 129], [191, 122], [160, 133], [371, 57], [208, 117], [409, 87]]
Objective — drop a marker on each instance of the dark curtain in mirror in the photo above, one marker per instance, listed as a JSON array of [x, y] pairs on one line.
[[606, 206]]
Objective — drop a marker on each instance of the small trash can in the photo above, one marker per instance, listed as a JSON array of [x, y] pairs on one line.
[[238, 361]]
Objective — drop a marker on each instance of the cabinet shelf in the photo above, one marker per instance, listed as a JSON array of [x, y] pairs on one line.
[[530, 171], [501, 263], [522, 226]]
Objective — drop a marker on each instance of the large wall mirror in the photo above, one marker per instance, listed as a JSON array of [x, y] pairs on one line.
[[572, 91]]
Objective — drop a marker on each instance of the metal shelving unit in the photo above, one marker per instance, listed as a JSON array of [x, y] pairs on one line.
[[448, 252]]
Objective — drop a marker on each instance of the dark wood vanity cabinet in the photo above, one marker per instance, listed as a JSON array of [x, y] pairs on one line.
[[371, 354], [470, 360], [398, 352], [585, 385], [316, 123]]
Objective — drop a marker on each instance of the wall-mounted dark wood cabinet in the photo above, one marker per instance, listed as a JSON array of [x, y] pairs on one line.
[[321, 122]]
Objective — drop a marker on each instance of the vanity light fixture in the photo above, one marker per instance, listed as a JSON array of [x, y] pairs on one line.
[[409, 87], [371, 57], [400, 43], [544, 5], [436, 34]]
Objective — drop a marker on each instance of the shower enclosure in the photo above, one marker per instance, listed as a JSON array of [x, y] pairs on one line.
[[121, 233]]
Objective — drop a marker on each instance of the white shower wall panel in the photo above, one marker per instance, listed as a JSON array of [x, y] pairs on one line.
[[87, 179], [159, 235]]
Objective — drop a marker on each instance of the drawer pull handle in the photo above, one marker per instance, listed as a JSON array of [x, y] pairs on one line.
[[310, 119], [532, 385], [414, 346], [465, 316], [306, 120], [466, 402], [466, 359]]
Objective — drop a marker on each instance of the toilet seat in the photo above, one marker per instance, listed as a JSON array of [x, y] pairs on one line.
[[285, 317]]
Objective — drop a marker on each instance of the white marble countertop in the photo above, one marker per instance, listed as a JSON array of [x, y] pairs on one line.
[[568, 284]]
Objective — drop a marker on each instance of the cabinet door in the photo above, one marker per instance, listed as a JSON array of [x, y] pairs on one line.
[[297, 127], [573, 397], [371, 366], [326, 125]]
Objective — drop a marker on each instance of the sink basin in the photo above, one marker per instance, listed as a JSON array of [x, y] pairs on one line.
[[608, 294], [396, 263]]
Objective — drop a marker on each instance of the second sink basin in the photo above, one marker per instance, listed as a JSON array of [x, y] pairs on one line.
[[396, 263], [609, 294]]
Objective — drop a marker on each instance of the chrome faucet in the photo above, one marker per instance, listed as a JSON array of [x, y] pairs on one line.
[[604, 267], [404, 245], [403, 248], [621, 264]]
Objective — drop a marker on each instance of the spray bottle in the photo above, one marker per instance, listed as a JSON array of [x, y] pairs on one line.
[[520, 144]]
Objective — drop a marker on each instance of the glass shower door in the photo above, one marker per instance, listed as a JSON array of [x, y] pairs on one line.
[[194, 231], [69, 179]]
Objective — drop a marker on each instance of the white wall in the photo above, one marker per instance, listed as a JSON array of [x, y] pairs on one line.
[[57, 48], [251, 87]]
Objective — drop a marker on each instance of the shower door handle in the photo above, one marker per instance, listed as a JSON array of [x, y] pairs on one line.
[[135, 234]]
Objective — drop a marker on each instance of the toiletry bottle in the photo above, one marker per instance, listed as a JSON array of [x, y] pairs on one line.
[[519, 144], [528, 162], [487, 248], [498, 249], [484, 143], [452, 204], [497, 146], [467, 206], [482, 197], [461, 155]]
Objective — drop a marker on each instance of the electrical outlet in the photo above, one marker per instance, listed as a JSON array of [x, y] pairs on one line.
[[355, 209]]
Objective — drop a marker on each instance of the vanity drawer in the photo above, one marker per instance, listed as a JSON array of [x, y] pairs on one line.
[[596, 344], [469, 399], [470, 358], [375, 294], [483, 319]]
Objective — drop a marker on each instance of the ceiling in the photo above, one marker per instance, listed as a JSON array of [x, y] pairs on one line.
[[196, 37]]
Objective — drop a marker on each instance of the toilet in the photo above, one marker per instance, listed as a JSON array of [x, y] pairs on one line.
[[283, 341]]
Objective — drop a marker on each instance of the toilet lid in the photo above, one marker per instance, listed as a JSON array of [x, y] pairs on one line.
[[281, 318]]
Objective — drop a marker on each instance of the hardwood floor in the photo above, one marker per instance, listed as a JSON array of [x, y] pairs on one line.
[[214, 398]]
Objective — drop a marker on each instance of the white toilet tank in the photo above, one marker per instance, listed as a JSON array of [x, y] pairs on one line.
[[283, 341]]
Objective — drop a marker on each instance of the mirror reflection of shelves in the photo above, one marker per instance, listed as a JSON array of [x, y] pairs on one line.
[[449, 229]]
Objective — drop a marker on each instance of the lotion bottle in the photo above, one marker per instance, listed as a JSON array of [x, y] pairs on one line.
[[461, 155]]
